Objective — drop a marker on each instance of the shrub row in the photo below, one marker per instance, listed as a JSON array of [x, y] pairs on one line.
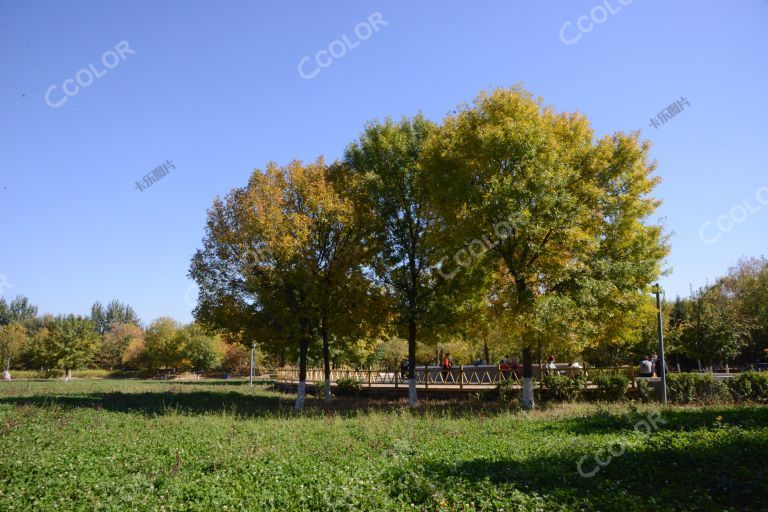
[[686, 388], [682, 388]]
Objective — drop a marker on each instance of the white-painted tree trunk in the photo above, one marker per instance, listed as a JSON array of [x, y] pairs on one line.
[[327, 390], [301, 392], [413, 399], [528, 393]]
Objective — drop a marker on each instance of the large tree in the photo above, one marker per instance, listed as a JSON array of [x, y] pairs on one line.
[[576, 209], [387, 157], [284, 258]]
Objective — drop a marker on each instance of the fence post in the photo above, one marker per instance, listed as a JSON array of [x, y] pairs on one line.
[[426, 377], [369, 378], [461, 377], [397, 373]]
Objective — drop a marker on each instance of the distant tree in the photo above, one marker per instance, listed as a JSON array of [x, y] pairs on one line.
[[19, 310], [714, 332], [577, 237], [746, 285], [134, 356], [115, 313], [388, 353], [236, 358], [200, 351], [39, 353], [72, 341], [114, 343], [13, 341], [163, 347]]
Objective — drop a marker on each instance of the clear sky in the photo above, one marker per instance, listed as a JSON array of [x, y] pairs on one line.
[[215, 88]]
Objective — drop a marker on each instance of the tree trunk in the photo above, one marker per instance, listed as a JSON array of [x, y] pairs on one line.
[[326, 365], [413, 399], [302, 390], [486, 357], [528, 379]]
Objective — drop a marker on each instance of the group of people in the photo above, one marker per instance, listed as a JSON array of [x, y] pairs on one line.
[[510, 367], [650, 366], [446, 364]]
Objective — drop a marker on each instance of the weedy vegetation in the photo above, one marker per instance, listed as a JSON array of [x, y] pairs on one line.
[[149, 445]]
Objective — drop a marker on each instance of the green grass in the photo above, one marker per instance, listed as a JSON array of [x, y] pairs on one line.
[[218, 445]]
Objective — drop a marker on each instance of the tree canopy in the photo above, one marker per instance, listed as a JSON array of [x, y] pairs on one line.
[[578, 240]]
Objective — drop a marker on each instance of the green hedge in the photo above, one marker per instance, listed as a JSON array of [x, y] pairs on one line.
[[561, 387], [749, 386], [611, 387], [507, 390], [686, 388], [348, 386], [682, 388]]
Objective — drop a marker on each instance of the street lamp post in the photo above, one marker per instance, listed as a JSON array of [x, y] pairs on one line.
[[661, 364], [253, 350]]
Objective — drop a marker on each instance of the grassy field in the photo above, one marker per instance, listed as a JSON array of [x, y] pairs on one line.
[[141, 445]]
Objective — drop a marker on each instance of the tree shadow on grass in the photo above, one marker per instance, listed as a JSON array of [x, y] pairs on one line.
[[695, 474], [166, 402], [601, 422], [235, 383], [186, 398]]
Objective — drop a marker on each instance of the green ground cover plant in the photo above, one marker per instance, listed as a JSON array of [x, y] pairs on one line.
[[220, 445]]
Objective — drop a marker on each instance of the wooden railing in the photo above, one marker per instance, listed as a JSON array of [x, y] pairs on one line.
[[460, 376]]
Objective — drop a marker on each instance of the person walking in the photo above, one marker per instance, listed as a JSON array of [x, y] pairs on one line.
[[447, 365]]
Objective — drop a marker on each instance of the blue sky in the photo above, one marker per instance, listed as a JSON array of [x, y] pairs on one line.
[[215, 88]]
